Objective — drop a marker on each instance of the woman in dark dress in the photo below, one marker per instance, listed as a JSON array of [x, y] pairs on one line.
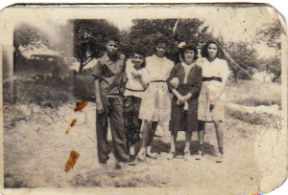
[[185, 83]]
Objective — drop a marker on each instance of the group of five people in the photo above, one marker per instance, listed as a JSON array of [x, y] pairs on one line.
[[186, 94]]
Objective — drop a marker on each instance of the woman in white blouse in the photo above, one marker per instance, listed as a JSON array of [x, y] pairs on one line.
[[211, 108], [156, 103]]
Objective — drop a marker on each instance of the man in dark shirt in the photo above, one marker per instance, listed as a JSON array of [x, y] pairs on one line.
[[109, 82]]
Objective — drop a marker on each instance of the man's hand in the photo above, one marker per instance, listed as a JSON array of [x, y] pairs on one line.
[[100, 110]]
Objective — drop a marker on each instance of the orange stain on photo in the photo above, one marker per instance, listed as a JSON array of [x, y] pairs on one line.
[[80, 106], [74, 155], [73, 122]]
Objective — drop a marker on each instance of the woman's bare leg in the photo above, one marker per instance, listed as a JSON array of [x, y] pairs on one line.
[[145, 138], [187, 153], [188, 136], [219, 135], [201, 135], [172, 151], [173, 141], [153, 126]]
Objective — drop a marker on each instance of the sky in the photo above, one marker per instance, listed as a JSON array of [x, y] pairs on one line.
[[234, 24]]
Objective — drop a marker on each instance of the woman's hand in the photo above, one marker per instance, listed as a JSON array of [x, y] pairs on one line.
[[136, 75], [181, 100], [174, 82], [187, 97]]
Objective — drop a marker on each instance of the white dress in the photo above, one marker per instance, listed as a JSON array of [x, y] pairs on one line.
[[156, 102], [213, 91]]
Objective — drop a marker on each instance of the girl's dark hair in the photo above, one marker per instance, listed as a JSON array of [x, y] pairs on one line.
[[112, 38], [140, 52], [189, 47], [160, 40], [204, 50]]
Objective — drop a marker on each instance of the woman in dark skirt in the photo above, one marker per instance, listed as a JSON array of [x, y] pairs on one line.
[[185, 83]]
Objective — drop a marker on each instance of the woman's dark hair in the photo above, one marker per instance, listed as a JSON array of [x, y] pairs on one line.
[[111, 38], [161, 40], [140, 52], [204, 50], [189, 47]]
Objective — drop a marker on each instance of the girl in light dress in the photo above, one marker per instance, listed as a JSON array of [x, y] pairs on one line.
[[211, 108], [156, 102]]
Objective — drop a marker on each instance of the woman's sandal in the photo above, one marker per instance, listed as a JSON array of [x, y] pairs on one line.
[[200, 154], [171, 155], [187, 155], [141, 156], [219, 158]]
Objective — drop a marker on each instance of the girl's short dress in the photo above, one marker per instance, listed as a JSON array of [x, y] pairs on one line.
[[212, 98], [190, 80], [156, 102]]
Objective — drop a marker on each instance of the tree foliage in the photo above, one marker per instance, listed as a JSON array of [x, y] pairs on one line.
[[245, 56], [90, 35], [270, 34], [144, 32], [25, 34]]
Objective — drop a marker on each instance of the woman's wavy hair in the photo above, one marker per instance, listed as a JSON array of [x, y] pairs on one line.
[[189, 47], [204, 50]]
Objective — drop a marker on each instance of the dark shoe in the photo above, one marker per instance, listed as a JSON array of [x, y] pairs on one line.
[[103, 160], [152, 155]]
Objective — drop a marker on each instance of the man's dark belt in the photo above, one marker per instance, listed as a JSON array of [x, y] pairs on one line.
[[158, 81], [212, 79], [134, 90]]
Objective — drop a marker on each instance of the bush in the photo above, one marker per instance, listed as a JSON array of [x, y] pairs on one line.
[[51, 92], [254, 93], [255, 118]]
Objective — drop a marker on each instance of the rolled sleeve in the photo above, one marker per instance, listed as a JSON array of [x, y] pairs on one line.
[[96, 71]]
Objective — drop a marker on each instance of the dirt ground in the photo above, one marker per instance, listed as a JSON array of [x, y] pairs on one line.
[[36, 148]]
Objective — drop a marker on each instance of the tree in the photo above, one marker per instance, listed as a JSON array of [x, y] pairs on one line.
[[270, 34], [90, 35], [245, 56], [145, 31], [25, 35]]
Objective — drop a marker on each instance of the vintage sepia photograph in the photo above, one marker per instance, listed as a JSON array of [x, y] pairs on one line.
[[187, 96]]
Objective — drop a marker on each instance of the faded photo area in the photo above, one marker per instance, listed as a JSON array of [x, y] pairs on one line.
[[106, 101]]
